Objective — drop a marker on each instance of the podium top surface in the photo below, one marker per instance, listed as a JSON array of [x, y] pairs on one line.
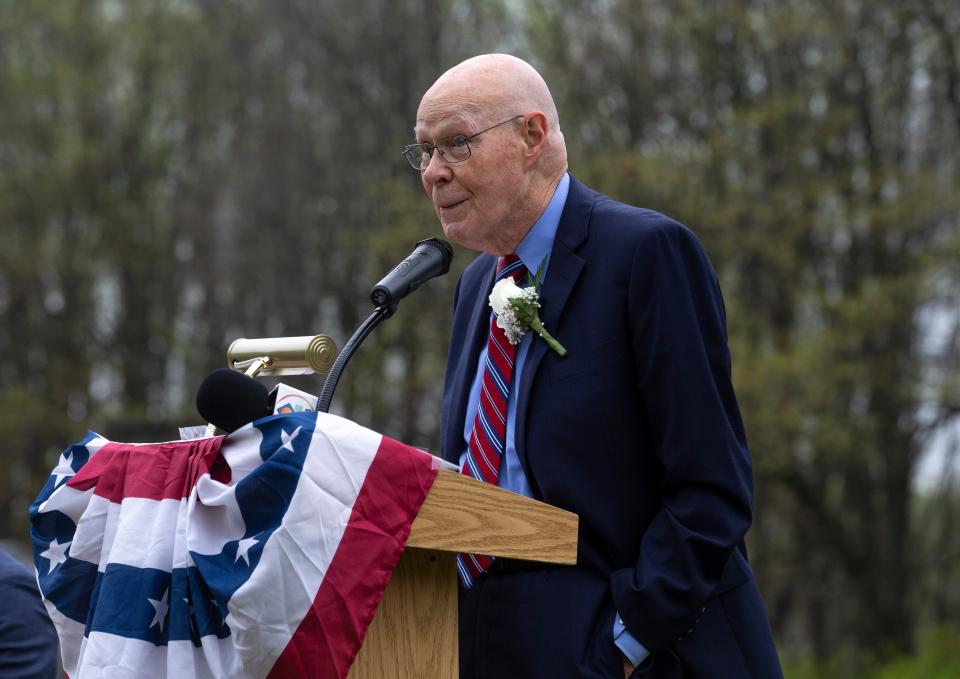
[[462, 514]]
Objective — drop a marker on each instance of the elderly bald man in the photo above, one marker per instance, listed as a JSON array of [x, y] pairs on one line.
[[636, 428]]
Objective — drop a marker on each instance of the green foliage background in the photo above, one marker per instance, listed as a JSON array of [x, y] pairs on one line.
[[177, 174]]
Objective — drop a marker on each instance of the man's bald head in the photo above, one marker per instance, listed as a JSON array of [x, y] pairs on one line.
[[491, 87], [502, 113], [494, 83]]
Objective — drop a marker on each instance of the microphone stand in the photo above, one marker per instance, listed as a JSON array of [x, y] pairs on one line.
[[381, 313]]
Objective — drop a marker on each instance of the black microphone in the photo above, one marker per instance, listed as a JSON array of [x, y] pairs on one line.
[[430, 258], [229, 399]]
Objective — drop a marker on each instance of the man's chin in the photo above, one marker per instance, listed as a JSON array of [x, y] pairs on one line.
[[465, 235], [456, 232]]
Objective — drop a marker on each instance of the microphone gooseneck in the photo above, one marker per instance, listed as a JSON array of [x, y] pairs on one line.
[[379, 314]]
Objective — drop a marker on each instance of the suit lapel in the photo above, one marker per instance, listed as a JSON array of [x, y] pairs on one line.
[[562, 274]]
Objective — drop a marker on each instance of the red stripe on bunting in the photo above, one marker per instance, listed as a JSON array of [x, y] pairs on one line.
[[158, 471], [329, 637]]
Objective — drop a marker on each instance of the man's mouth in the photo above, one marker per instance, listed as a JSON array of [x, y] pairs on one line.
[[451, 205]]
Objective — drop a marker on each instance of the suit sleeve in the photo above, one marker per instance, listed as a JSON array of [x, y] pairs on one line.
[[28, 641], [683, 374]]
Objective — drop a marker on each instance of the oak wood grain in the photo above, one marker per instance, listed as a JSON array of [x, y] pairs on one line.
[[414, 633], [465, 515]]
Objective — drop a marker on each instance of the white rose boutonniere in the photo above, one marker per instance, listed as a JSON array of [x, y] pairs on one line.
[[517, 310]]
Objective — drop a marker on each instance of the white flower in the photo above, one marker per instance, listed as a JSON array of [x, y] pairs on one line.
[[517, 310], [501, 294]]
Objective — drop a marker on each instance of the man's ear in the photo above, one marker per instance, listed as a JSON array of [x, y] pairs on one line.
[[535, 132]]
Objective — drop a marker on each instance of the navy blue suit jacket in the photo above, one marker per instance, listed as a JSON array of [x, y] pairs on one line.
[[637, 431], [28, 641]]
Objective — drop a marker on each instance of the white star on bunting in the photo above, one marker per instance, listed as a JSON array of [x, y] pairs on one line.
[[288, 438], [243, 547], [160, 609], [57, 553], [63, 468]]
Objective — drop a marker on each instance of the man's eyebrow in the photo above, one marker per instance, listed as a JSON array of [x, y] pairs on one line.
[[445, 130]]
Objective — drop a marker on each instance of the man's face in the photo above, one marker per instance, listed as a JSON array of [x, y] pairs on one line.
[[477, 199]]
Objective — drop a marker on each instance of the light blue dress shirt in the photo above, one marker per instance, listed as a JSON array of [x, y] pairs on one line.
[[534, 252]]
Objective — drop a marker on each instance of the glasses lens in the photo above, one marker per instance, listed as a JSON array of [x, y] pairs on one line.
[[455, 150], [416, 156]]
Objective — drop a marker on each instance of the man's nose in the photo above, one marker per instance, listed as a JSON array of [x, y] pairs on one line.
[[437, 169]]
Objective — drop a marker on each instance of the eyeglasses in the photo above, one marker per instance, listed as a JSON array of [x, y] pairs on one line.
[[453, 150]]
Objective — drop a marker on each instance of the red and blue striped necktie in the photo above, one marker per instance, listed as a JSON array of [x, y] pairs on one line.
[[488, 439]]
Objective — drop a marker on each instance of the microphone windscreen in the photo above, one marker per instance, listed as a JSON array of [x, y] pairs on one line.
[[430, 258], [230, 399]]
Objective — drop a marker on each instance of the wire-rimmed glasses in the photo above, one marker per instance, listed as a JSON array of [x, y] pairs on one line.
[[453, 150]]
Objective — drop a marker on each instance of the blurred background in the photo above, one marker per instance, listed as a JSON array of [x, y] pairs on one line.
[[175, 174]]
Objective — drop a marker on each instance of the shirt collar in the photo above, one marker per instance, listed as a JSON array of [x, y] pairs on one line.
[[536, 245]]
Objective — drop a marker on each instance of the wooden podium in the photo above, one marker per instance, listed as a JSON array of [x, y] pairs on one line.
[[414, 633]]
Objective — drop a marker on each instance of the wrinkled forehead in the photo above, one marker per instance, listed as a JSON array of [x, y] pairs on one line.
[[449, 109], [436, 127]]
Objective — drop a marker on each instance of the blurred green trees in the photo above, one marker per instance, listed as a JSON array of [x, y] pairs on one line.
[[174, 175]]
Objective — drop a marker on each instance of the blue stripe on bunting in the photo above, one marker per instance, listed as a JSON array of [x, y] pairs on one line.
[[286, 439], [194, 612], [70, 587], [118, 602], [77, 455], [44, 529], [122, 604], [154, 606]]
